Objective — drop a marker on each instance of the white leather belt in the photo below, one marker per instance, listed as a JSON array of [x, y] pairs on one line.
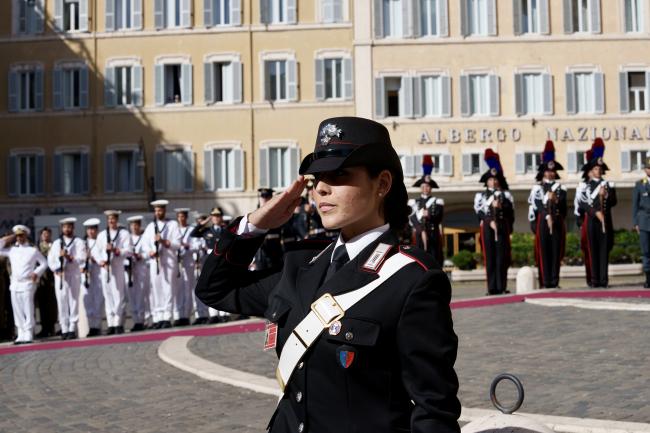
[[326, 310]]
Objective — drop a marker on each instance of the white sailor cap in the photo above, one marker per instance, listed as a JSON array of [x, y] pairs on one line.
[[182, 210], [20, 229], [68, 220], [112, 212], [91, 222], [134, 219], [159, 203]]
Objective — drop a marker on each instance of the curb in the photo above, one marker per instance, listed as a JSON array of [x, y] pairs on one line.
[[589, 305]]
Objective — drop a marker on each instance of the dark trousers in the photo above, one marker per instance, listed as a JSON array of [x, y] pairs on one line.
[[46, 302], [434, 243], [496, 258], [644, 237], [549, 251], [595, 251]]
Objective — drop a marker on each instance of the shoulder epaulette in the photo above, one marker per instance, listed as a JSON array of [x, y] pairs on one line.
[[421, 257]]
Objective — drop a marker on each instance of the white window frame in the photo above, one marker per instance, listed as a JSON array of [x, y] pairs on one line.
[[167, 60], [127, 62], [28, 68], [442, 169], [282, 56], [65, 67], [401, 93], [70, 19], [277, 11], [80, 150], [626, 150], [440, 88], [393, 23], [28, 153], [233, 59], [211, 177], [537, 94], [33, 21], [290, 146], [636, 91], [572, 159], [638, 20], [320, 15], [471, 152], [589, 98], [582, 26], [484, 102], [476, 25], [532, 20], [130, 14]]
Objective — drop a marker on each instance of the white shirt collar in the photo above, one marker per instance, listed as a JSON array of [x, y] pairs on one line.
[[355, 245]]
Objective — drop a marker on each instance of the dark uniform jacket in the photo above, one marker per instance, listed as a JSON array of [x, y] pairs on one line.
[[402, 377], [211, 234], [641, 204]]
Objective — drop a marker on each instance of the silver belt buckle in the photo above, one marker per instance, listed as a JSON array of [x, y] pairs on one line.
[[327, 310]]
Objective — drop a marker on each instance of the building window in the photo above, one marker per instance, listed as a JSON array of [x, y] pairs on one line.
[[71, 173], [637, 91], [28, 18], [333, 78], [172, 14], [70, 87], [637, 158], [224, 169], [123, 14], [473, 164], [332, 11], [392, 18], [634, 15], [26, 174], [221, 12], [582, 16], [530, 16], [429, 17], [71, 15], [432, 96], [393, 88], [174, 170], [527, 162], [173, 83], [26, 90], [122, 172], [124, 85], [278, 166], [533, 88], [223, 81], [478, 17], [584, 93], [479, 95], [280, 80], [278, 11]]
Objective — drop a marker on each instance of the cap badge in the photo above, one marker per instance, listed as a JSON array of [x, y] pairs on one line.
[[600, 161], [493, 171], [551, 165], [328, 132]]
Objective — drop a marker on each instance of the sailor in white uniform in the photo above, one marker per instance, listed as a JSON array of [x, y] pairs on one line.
[[184, 287], [66, 259], [27, 266], [137, 274], [91, 290]]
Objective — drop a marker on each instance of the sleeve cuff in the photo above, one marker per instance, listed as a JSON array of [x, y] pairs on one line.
[[247, 228]]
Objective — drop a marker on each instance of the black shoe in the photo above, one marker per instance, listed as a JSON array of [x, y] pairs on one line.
[[214, 319], [119, 329], [182, 322], [200, 321], [111, 330], [165, 324], [137, 327], [64, 336], [241, 317], [93, 332], [44, 333], [156, 325], [72, 335], [647, 281]]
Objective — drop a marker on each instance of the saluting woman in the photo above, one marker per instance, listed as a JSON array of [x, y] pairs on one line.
[[364, 329]]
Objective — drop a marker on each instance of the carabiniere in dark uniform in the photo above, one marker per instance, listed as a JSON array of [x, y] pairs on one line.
[[387, 364], [641, 217]]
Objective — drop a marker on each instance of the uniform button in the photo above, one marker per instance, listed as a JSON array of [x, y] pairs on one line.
[[349, 335], [274, 314], [298, 396], [301, 365], [301, 427]]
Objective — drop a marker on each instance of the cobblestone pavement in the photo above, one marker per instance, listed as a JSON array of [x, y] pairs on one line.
[[120, 388], [573, 362]]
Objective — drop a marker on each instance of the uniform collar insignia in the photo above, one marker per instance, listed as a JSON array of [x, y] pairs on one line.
[[328, 132]]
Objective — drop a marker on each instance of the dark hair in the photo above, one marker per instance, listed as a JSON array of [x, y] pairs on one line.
[[396, 210], [46, 229]]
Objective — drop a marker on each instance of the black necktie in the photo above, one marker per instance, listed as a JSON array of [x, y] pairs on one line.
[[339, 258]]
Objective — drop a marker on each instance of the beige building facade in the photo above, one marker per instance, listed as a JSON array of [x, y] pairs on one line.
[[203, 101]]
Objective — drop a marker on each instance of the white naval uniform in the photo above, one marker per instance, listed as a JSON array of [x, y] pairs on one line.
[[163, 278], [139, 289], [113, 288], [200, 309], [186, 281], [67, 288], [92, 296], [25, 260]]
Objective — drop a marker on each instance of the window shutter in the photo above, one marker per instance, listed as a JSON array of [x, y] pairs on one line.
[[83, 15], [238, 156], [520, 94], [137, 14], [208, 170], [237, 80], [404, 160], [267, 81], [599, 92], [347, 79], [38, 88], [160, 84], [520, 163], [572, 162], [188, 170], [647, 91], [292, 80], [464, 17], [337, 11], [159, 14], [186, 79], [408, 18], [294, 162], [380, 98], [547, 83], [544, 25], [12, 165], [208, 16], [625, 161], [446, 96], [568, 16], [447, 164], [57, 88], [235, 12], [14, 84], [378, 15], [109, 15], [186, 13], [417, 96], [494, 95], [406, 97], [40, 167], [443, 18], [319, 73], [208, 85], [570, 93], [58, 15], [482, 164], [492, 17], [465, 109], [85, 173], [624, 92], [516, 16], [109, 171], [265, 11], [264, 167], [39, 16], [292, 11], [83, 87], [109, 87], [467, 164], [138, 94], [138, 177], [159, 170], [58, 173], [595, 16]]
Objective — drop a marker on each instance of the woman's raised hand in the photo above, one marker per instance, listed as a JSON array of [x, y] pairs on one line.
[[279, 209]]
